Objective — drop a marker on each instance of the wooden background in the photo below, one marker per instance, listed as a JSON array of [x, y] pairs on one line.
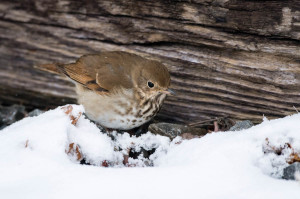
[[236, 58]]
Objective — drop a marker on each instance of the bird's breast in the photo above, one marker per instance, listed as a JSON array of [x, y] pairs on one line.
[[119, 110], [150, 107]]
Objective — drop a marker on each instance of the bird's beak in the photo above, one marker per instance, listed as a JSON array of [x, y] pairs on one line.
[[168, 92]]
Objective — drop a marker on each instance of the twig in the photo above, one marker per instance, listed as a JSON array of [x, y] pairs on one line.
[[296, 109], [205, 121]]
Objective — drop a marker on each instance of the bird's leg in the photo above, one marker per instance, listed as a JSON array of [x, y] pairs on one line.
[[126, 157], [138, 131], [216, 126]]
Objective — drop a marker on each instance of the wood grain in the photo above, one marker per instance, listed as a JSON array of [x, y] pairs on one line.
[[226, 57]]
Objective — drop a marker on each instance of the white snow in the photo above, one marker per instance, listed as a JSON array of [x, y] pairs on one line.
[[34, 163]]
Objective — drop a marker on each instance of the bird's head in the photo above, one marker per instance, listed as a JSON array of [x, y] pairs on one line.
[[152, 79]]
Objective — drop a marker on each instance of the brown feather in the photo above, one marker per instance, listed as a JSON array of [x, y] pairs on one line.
[[110, 69], [52, 68], [74, 72], [78, 73]]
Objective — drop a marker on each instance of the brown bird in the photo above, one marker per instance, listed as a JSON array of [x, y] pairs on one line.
[[118, 90]]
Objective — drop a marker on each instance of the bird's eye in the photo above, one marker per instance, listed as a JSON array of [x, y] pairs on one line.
[[150, 84]]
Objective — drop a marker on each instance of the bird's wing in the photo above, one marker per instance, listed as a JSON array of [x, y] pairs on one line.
[[81, 75], [99, 72], [109, 69]]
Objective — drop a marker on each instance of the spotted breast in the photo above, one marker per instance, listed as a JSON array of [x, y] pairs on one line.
[[120, 110]]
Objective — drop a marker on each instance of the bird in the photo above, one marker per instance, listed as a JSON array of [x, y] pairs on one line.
[[118, 90]]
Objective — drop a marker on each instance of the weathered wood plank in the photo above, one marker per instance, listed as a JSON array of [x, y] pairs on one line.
[[226, 57]]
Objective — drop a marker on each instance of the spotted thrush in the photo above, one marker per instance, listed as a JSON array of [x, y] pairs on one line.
[[118, 90]]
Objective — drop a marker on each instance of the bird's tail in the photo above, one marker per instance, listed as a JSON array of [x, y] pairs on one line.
[[52, 68]]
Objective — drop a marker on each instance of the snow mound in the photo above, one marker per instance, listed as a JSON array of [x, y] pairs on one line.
[[39, 159]]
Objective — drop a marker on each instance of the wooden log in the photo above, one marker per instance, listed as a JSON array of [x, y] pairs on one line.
[[226, 57]]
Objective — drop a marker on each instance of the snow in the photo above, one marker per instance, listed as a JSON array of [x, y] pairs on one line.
[[34, 162]]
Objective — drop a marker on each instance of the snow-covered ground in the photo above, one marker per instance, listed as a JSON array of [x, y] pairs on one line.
[[34, 162]]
